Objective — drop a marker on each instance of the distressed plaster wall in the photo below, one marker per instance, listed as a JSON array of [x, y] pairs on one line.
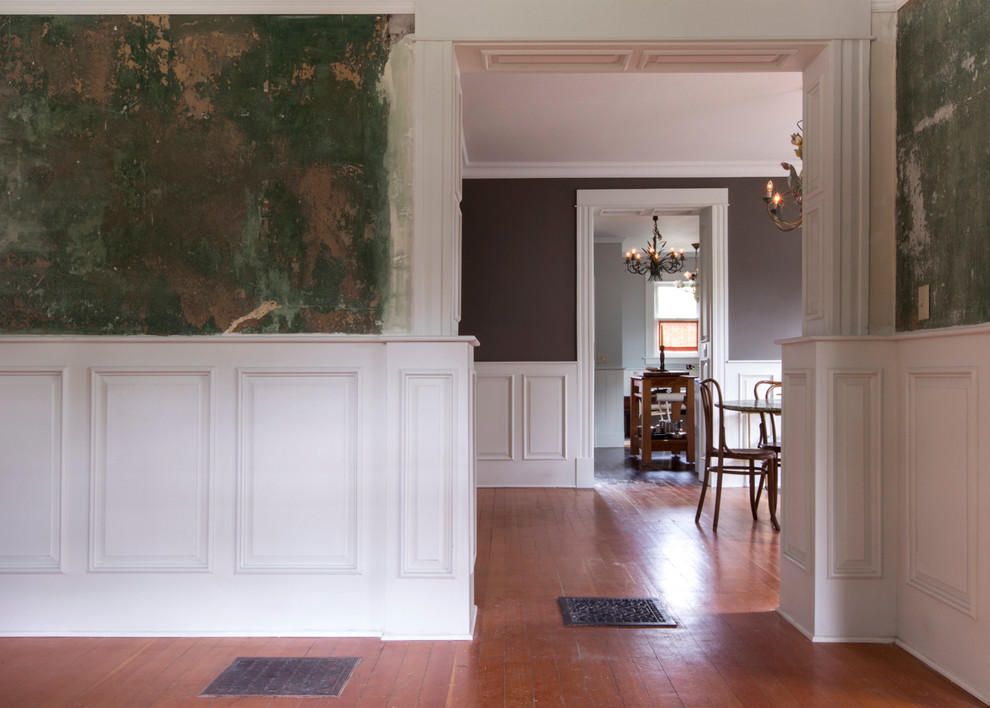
[[943, 162], [194, 175]]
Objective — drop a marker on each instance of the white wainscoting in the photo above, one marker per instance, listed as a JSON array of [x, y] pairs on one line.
[[743, 429], [31, 470], [944, 591], [281, 414], [527, 421], [290, 486], [886, 499], [838, 540], [151, 468]]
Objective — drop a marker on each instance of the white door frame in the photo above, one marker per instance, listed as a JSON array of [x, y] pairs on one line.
[[714, 203]]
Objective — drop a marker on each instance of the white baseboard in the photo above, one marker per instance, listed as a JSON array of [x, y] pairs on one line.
[[794, 623], [934, 666]]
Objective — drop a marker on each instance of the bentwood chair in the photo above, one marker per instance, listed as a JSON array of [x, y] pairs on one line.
[[758, 464], [768, 390]]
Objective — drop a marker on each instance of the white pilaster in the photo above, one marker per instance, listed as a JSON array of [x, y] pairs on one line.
[[436, 259], [836, 229]]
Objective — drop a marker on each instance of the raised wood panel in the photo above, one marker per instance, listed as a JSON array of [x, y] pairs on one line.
[[942, 474], [798, 471], [496, 417], [429, 412], [30, 470], [815, 105], [813, 256], [298, 491], [855, 475], [152, 434], [544, 417]]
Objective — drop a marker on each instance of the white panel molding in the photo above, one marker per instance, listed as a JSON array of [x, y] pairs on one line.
[[855, 490], [812, 256], [299, 470], [544, 417], [496, 416], [427, 467], [943, 518], [730, 59], [148, 434], [31, 435], [798, 429], [563, 59], [151, 469], [527, 467]]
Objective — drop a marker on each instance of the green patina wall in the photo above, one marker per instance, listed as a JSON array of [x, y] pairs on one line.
[[193, 175], [943, 161]]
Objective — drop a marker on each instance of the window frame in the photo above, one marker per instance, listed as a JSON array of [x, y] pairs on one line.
[[653, 323]]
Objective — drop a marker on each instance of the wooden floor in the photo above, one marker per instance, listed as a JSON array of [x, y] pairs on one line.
[[624, 538]]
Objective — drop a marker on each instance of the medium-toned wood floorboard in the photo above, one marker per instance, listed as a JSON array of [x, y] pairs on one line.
[[625, 538]]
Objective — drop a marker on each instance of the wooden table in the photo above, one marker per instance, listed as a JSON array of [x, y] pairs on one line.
[[641, 411]]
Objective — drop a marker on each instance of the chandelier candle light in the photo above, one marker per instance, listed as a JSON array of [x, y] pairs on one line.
[[654, 262], [776, 202]]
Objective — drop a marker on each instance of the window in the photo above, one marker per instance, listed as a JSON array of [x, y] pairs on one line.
[[675, 313]]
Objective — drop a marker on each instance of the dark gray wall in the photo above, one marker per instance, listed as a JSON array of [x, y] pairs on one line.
[[519, 267]]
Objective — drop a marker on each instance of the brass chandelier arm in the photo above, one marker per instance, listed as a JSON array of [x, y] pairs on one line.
[[774, 213]]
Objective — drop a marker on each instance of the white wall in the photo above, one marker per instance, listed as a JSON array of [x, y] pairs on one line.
[[236, 485]]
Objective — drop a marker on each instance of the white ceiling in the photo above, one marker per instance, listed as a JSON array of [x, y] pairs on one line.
[[630, 112], [632, 124]]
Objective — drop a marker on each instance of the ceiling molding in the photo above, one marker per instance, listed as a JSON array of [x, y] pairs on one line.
[[554, 170], [673, 56], [737, 59], [209, 7], [583, 60], [887, 5]]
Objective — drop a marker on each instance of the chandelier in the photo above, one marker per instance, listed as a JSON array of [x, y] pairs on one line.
[[690, 281], [786, 212], [654, 262]]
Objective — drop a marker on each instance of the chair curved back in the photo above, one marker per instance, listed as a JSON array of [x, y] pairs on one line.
[[767, 390], [711, 396]]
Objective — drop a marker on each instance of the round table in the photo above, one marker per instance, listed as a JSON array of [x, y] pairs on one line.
[[753, 405]]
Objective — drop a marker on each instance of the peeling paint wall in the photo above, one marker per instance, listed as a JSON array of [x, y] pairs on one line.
[[195, 175], [943, 162]]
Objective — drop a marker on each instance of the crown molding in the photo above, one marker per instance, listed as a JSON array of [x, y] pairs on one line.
[[207, 7], [887, 5], [553, 170]]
